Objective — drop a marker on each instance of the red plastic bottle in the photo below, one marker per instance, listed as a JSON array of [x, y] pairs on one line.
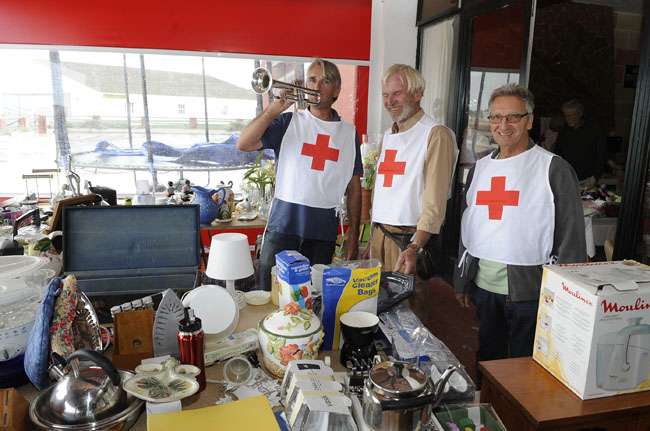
[[190, 341]]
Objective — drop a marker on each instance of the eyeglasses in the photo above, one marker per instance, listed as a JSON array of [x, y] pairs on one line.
[[510, 118]]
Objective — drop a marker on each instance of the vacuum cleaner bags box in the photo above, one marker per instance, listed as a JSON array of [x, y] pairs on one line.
[[593, 327]]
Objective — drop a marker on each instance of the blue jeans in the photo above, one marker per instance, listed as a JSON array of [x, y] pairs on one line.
[[506, 329], [274, 242]]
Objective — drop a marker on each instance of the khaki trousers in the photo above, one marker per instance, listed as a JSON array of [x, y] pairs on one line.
[[387, 252]]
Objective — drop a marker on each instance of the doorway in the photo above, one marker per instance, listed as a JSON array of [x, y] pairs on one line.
[[589, 52]]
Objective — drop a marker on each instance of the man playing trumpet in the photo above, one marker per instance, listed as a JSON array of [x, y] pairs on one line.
[[318, 160]]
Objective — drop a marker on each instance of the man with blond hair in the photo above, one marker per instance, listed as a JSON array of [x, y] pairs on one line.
[[414, 173]]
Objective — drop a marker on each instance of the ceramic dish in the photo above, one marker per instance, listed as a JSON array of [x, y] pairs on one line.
[[162, 383], [217, 309], [257, 297]]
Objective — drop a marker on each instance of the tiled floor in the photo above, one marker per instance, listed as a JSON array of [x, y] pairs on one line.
[[455, 326]]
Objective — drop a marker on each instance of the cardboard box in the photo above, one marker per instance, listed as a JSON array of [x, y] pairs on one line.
[[593, 327], [294, 276]]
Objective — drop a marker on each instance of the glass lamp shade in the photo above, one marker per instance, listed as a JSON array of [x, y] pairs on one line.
[[229, 259]]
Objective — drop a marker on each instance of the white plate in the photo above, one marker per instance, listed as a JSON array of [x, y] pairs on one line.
[[217, 309]]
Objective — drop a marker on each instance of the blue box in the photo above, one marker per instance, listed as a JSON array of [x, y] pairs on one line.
[[292, 267], [132, 249]]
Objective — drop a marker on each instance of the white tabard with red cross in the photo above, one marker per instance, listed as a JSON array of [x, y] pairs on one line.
[[510, 217], [399, 181], [316, 161]]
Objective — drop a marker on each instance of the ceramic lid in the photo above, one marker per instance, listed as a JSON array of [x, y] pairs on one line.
[[292, 321]]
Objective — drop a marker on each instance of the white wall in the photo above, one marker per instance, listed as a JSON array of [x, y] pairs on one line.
[[393, 40]]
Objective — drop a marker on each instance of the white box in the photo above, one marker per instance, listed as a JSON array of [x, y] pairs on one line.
[[593, 327], [294, 277]]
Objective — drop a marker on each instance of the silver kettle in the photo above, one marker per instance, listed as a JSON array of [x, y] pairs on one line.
[[399, 396], [85, 394]]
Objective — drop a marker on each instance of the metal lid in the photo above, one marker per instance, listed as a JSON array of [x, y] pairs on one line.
[[401, 379]]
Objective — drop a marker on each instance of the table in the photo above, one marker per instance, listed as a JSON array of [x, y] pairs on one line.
[[527, 397], [248, 318], [256, 223], [598, 230], [250, 228]]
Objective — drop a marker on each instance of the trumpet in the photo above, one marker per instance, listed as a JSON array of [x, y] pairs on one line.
[[262, 82]]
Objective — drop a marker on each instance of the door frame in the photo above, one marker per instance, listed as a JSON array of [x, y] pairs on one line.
[[636, 166]]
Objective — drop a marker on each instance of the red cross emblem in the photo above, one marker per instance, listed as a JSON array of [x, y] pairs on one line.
[[321, 152], [497, 198], [390, 167]]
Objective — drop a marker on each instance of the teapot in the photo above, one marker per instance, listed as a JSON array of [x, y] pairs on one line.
[[86, 398], [209, 203], [85, 394], [401, 394]]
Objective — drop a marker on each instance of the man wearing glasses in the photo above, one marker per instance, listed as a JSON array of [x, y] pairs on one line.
[[522, 209]]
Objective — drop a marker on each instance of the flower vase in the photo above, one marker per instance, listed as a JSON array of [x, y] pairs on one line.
[[266, 196]]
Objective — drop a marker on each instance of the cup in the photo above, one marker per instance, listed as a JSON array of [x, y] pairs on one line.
[[317, 279], [274, 287], [237, 371], [358, 329]]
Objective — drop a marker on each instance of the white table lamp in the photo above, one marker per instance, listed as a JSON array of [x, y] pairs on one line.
[[229, 259]]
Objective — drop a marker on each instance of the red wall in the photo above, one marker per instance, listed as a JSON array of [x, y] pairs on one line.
[[304, 28], [337, 29]]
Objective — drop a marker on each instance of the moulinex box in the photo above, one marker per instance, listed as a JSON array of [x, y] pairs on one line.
[[593, 327], [294, 276]]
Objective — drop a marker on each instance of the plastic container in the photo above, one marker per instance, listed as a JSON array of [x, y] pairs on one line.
[[468, 416]]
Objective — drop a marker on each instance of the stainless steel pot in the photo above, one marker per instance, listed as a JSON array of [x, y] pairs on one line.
[[399, 396], [89, 398]]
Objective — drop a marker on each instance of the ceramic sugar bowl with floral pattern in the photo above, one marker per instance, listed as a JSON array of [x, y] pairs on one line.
[[287, 334]]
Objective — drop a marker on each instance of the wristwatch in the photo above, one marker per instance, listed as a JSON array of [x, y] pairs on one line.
[[416, 247]]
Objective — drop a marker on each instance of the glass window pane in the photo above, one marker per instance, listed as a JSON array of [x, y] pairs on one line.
[[429, 8], [495, 61], [192, 106]]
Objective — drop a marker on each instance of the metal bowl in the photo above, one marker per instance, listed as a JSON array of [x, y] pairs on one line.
[[42, 416]]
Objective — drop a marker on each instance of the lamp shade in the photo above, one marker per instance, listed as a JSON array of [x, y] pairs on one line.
[[230, 257]]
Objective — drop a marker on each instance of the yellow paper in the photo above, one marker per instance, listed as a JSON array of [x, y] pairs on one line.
[[249, 414]]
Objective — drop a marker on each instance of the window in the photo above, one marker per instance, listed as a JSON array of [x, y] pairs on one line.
[[104, 143]]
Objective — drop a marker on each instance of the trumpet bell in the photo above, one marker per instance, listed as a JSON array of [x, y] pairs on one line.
[[262, 82]]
